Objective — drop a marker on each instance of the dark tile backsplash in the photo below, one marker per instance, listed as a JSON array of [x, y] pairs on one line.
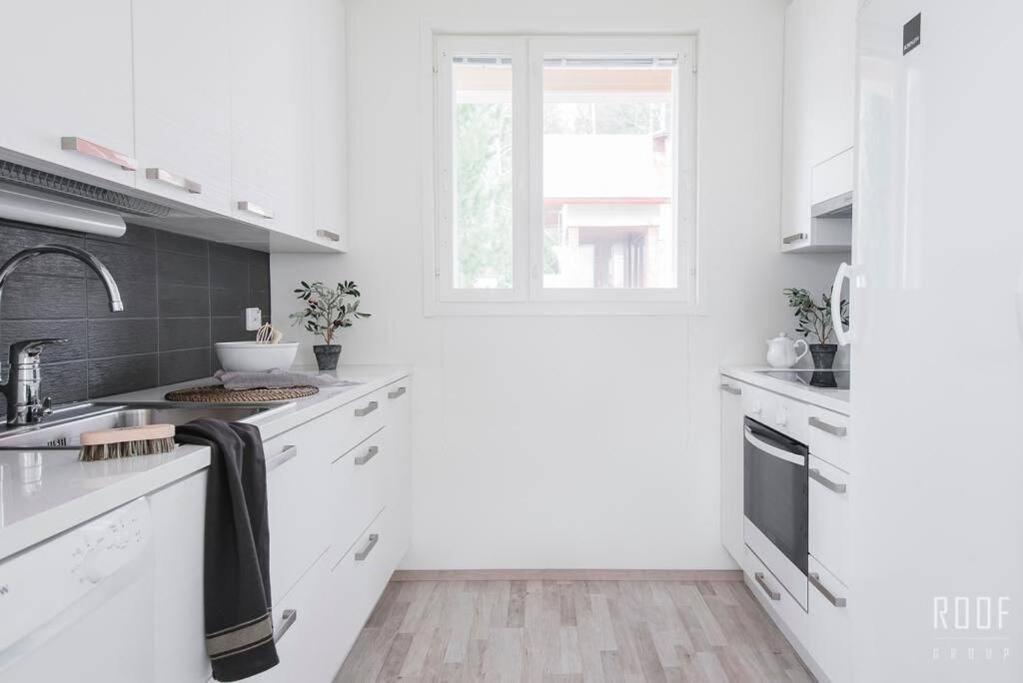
[[181, 294]]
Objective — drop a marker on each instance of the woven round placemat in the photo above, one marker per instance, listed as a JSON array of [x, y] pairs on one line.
[[216, 393]]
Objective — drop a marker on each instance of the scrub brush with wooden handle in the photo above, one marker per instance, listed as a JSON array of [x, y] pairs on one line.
[[124, 442]]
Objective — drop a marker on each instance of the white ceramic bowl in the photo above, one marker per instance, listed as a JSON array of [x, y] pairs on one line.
[[250, 356]]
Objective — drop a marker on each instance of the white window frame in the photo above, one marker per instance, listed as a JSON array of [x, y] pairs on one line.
[[528, 296]]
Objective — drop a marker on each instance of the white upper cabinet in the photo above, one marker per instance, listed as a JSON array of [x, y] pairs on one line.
[[68, 74], [269, 122], [183, 100], [329, 183], [818, 119]]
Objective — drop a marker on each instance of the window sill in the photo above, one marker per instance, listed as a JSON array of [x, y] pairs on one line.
[[434, 309]]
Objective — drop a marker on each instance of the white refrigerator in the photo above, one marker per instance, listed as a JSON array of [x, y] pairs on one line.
[[936, 326]]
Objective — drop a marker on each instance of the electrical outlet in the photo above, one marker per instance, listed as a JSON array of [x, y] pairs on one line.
[[253, 319]]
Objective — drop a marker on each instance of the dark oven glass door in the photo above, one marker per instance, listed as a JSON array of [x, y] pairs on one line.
[[775, 489]]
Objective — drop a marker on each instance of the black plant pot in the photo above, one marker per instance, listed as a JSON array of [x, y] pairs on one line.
[[327, 356], [823, 358]]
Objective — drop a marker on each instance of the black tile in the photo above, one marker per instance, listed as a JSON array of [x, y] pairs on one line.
[[118, 375], [184, 333], [184, 301], [43, 297], [135, 235], [115, 337], [174, 268], [22, 330], [231, 329], [229, 275], [169, 241], [180, 366], [229, 301], [229, 252], [259, 271], [134, 271], [17, 236]]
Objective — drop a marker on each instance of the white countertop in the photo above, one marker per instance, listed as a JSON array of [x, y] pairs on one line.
[[769, 379], [43, 493]]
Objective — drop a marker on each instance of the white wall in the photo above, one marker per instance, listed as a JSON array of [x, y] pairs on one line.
[[566, 441]]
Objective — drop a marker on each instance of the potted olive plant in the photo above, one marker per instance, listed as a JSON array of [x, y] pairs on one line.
[[327, 310], [814, 320]]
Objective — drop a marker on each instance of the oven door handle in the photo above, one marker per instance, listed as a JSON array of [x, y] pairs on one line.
[[793, 458]]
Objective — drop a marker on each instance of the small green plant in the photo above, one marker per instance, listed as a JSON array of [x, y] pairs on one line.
[[813, 318], [327, 309]]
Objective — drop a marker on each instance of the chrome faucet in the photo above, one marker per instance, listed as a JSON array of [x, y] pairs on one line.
[[24, 405]]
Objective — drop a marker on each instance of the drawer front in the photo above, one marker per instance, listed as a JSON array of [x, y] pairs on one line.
[[830, 632], [777, 412], [829, 516], [829, 437], [770, 592], [361, 482]]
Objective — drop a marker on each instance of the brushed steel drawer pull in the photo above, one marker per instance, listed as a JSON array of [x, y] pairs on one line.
[[363, 412], [829, 428], [815, 581], [288, 618], [364, 553], [173, 179], [367, 456], [795, 238], [284, 456], [91, 149], [771, 593], [328, 235], [400, 391], [735, 391], [255, 209], [816, 475]]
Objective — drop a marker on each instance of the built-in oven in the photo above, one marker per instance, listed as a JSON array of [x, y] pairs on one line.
[[775, 503]]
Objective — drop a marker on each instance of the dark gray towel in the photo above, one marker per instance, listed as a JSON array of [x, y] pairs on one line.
[[236, 566]]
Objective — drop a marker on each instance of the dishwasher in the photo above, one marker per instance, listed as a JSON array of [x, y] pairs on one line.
[[84, 601]]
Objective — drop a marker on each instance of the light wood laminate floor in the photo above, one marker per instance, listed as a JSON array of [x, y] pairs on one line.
[[570, 631]]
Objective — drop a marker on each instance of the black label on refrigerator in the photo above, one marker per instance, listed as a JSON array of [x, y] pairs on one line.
[[911, 34]]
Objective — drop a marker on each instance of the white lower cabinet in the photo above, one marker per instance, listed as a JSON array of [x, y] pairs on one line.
[[731, 468], [788, 613], [829, 511], [828, 637]]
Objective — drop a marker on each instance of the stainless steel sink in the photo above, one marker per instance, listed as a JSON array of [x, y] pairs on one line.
[[64, 426]]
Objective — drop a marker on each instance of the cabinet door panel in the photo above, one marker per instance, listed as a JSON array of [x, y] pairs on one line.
[[68, 74], [731, 468], [183, 98]]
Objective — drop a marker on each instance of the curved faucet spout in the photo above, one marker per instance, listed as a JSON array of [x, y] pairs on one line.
[[85, 257]]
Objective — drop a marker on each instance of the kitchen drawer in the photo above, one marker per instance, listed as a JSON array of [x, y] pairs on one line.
[[829, 516], [776, 411], [297, 495], [829, 437], [829, 634], [361, 485], [770, 592]]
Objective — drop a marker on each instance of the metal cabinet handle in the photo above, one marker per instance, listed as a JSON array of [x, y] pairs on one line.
[[364, 553], [363, 412], [367, 456], [736, 391], [173, 179], [328, 235], [794, 238], [825, 482], [400, 391], [91, 149], [284, 456], [815, 581], [288, 618], [255, 209], [771, 593], [829, 428]]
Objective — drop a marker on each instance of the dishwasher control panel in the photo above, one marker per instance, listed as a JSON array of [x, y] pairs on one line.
[[64, 575]]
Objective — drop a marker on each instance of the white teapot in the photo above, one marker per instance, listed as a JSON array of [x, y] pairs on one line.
[[781, 351]]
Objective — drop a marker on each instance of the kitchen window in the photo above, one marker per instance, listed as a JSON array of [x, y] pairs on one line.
[[563, 175]]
